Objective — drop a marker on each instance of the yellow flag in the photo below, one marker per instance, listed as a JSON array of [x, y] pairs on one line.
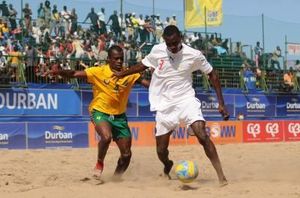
[[195, 13]]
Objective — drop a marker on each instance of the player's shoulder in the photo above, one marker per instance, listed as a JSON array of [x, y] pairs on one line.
[[159, 47], [97, 69], [189, 50]]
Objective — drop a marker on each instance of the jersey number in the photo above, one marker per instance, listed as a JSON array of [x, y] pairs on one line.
[[160, 65]]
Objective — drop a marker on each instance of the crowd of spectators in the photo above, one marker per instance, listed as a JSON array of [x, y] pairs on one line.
[[30, 47], [259, 73]]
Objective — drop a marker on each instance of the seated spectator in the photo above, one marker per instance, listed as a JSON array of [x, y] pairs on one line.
[[220, 50], [213, 40], [288, 83], [225, 45]]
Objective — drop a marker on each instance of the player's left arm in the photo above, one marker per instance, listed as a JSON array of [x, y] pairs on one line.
[[215, 81]]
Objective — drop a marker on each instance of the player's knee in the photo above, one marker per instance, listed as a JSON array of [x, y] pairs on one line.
[[106, 139], [126, 156], [203, 137]]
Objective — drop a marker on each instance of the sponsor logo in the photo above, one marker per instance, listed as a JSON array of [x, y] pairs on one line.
[[255, 104], [28, 101], [59, 128], [294, 99], [253, 129], [135, 132], [58, 135], [3, 138], [210, 104], [272, 129], [294, 128], [293, 106], [216, 131], [211, 98], [180, 133]]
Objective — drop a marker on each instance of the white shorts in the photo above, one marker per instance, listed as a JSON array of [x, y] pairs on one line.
[[186, 112]]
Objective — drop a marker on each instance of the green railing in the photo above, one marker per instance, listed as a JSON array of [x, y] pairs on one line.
[[227, 67]]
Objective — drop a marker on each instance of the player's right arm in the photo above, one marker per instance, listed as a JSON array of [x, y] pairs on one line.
[[69, 73], [203, 65], [150, 61], [140, 67]]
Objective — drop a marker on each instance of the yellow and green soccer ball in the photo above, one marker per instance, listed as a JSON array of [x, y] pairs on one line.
[[186, 171]]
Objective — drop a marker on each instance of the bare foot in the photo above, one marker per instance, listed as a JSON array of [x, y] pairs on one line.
[[97, 171], [223, 182]]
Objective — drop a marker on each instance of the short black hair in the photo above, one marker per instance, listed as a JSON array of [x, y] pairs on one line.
[[171, 30], [114, 47]]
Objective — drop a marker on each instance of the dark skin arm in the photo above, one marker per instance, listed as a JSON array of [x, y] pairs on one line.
[[214, 79], [68, 73], [132, 70], [82, 74]]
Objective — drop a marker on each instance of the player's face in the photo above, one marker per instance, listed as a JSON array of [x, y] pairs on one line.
[[173, 43], [116, 60]]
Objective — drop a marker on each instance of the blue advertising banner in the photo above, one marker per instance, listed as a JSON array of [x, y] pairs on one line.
[[209, 104], [12, 136], [132, 104], [255, 106], [144, 105], [30, 102], [288, 106], [87, 97], [58, 134]]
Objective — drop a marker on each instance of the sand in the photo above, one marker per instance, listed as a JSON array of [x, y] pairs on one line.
[[253, 170]]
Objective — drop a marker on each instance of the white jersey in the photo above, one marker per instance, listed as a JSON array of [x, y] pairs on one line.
[[171, 81]]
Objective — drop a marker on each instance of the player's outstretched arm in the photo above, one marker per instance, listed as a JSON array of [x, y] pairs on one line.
[[214, 79], [132, 70], [68, 73]]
